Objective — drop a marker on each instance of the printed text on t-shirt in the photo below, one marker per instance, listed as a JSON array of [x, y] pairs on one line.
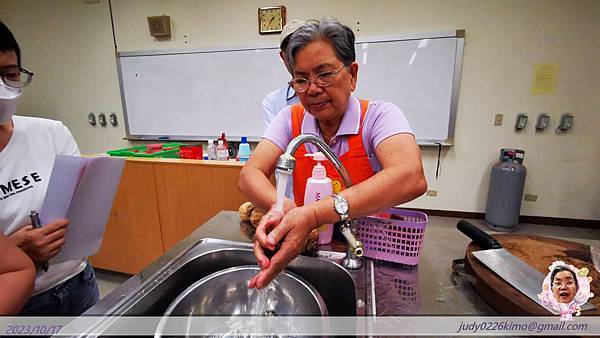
[[17, 185]]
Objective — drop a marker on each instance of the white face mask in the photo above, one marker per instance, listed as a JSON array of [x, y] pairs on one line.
[[9, 100]]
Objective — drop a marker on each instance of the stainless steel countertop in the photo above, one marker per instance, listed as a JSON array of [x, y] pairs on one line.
[[424, 290]]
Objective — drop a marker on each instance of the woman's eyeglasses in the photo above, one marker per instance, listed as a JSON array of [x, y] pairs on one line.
[[323, 79]]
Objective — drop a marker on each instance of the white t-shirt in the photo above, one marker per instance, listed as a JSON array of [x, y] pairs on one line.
[[25, 167]]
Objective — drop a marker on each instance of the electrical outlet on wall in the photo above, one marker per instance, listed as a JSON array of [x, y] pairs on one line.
[[498, 119], [530, 198], [432, 193], [566, 122], [92, 119], [542, 122], [113, 119], [521, 122], [102, 119]]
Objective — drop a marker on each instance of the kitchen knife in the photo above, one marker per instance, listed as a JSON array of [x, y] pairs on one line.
[[517, 273]]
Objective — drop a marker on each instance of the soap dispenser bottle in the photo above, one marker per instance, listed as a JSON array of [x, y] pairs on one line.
[[318, 187]]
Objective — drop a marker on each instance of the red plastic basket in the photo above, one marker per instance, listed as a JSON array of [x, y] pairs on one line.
[[394, 236]]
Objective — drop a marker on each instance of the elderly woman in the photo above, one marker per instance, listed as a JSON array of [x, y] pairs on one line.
[[564, 284], [372, 139]]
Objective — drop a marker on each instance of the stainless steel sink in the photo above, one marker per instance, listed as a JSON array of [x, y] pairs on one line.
[[226, 293], [344, 292]]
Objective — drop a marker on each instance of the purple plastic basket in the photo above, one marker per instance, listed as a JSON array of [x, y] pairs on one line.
[[399, 287], [394, 240]]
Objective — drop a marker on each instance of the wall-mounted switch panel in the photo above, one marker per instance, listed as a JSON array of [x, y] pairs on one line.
[[521, 122], [498, 119], [102, 119], [113, 119], [432, 193], [530, 198], [542, 122], [566, 122], [92, 119]]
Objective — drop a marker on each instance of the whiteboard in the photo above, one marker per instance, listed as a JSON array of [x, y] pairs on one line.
[[197, 94]]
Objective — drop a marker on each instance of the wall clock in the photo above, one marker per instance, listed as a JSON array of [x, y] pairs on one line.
[[271, 19]]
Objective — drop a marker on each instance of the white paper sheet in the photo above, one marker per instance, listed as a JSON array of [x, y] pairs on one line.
[[64, 179], [81, 190]]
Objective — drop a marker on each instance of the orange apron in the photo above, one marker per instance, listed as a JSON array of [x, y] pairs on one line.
[[355, 160]]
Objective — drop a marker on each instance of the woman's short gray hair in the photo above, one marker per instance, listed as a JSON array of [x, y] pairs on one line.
[[329, 29]]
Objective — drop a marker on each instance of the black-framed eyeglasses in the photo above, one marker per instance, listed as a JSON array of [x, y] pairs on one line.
[[323, 79], [17, 79]]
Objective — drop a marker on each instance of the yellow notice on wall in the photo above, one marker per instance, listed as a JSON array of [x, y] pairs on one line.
[[545, 77]]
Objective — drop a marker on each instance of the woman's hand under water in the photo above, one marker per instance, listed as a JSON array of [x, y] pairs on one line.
[[269, 221], [290, 233]]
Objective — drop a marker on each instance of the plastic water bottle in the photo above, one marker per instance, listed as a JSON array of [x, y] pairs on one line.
[[222, 152], [244, 150], [224, 139], [211, 150]]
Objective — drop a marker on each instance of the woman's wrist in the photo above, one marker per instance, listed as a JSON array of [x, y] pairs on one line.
[[288, 205], [324, 212], [316, 222]]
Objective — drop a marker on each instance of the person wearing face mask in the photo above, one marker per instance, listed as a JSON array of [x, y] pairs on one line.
[[28, 147]]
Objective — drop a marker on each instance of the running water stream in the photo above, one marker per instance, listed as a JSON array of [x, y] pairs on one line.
[[282, 178], [265, 300]]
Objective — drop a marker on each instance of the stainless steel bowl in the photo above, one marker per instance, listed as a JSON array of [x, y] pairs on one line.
[[226, 293]]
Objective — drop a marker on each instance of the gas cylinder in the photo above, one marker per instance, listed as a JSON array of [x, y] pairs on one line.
[[507, 182]]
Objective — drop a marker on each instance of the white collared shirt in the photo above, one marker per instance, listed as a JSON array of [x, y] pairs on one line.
[[276, 101]]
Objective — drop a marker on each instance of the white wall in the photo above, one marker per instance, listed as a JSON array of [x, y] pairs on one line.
[[68, 44]]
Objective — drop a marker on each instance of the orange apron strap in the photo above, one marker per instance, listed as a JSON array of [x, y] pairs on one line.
[[303, 167], [355, 141], [297, 118]]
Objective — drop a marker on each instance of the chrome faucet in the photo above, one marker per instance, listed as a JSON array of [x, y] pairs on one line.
[[349, 228]]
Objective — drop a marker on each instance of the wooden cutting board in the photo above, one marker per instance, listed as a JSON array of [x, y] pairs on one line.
[[539, 252]]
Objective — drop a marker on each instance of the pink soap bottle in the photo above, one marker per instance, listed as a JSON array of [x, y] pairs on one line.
[[319, 186]]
